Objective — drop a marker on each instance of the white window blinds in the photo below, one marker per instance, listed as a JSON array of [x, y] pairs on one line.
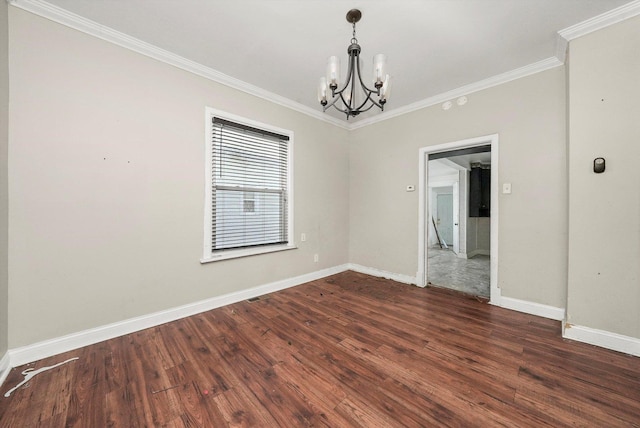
[[249, 183]]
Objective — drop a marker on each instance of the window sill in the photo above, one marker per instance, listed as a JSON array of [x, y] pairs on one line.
[[236, 254]]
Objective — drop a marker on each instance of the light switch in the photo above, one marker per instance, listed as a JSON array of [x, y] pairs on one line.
[[506, 188]]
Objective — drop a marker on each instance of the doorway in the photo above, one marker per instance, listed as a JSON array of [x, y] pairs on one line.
[[462, 262], [455, 243]]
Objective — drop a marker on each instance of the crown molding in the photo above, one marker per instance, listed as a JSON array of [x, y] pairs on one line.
[[561, 48], [596, 23], [499, 79], [77, 22], [87, 26], [606, 19]]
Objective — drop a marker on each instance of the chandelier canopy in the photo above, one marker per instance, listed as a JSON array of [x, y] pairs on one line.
[[353, 97]]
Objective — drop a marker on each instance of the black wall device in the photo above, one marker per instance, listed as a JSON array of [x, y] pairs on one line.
[[598, 165]]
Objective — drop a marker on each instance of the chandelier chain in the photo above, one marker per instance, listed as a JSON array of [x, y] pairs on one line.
[[354, 39]]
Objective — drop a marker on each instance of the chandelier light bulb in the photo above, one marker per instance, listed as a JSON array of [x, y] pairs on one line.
[[385, 90], [333, 71], [322, 91], [379, 69]]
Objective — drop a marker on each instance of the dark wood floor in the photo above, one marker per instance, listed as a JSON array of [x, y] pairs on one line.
[[348, 350]]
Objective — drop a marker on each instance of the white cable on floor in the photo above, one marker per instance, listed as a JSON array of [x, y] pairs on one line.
[[29, 373]]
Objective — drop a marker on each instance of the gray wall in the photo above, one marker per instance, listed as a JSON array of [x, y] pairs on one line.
[[478, 235], [107, 185], [529, 116], [604, 209], [4, 164]]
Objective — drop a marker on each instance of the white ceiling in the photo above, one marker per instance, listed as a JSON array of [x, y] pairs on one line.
[[438, 168], [281, 46], [445, 166]]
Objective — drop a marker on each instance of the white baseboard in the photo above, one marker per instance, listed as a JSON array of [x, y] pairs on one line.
[[478, 252], [406, 279], [532, 308], [604, 339], [5, 367], [497, 299], [47, 348]]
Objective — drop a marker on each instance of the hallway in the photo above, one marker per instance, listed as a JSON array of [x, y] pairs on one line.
[[469, 276]]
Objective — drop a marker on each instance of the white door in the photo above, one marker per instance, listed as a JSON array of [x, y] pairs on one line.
[[444, 222]]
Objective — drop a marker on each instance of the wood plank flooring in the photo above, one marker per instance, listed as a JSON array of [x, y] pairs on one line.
[[347, 350]]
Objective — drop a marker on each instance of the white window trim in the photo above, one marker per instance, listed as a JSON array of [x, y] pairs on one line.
[[209, 256]]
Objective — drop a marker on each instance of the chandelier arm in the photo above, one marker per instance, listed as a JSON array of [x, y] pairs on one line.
[[335, 99], [334, 102], [352, 97], [339, 97], [370, 91], [350, 70], [373, 103], [349, 83], [346, 105], [345, 111], [337, 94], [353, 59]]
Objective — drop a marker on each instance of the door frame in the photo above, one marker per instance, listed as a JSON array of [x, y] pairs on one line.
[[438, 194], [423, 208], [459, 194]]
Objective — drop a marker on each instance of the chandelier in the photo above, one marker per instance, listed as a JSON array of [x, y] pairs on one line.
[[354, 97]]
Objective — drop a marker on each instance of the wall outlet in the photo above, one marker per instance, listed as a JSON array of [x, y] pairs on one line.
[[315, 258]]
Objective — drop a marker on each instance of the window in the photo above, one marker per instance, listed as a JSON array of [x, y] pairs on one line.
[[248, 204]]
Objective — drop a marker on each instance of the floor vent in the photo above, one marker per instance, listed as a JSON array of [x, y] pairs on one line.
[[253, 299]]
